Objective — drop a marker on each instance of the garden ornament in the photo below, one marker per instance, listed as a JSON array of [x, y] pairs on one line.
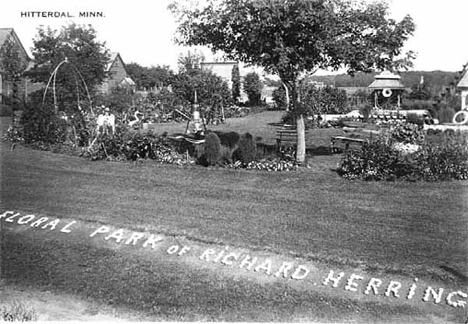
[[461, 117]]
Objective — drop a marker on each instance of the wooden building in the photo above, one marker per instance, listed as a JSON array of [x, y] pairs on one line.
[[117, 75], [11, 49]]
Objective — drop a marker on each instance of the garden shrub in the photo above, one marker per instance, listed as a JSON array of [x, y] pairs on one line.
[[246, 150], [136, 146], [407, 134], [228, 139], [380, 160], [41, 124], [365, 111], [446, 115], [415, 119], [212, 151], [229, 142]]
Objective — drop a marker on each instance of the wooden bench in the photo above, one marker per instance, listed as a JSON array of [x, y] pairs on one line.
[[346, 140], [286, 136]]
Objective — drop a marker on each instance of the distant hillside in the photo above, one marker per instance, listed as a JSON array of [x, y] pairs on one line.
[[436, 81]]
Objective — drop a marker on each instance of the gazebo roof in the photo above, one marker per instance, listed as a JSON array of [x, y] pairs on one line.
[[387, 80]]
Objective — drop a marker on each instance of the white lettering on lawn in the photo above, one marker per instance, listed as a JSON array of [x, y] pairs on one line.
[[228, 256], [66, 228], [134, 238], [393, 287], [26, 219], [336, 280], [298, 275], [266, 266], [205, 255], [173, 249], [10, 219], [284, 268], [52, 224], [219, 256], [436, 295], [183, 250], [5, 214], [373, 284], [454, 299], [412, 289], [460, 303], [351, 285], [100, 230], [118, 235], [248, 263], [39, 221], [152, 240]]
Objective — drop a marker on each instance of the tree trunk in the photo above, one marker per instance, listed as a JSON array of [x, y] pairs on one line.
[[300, 126], [287, 96], [301, 143]]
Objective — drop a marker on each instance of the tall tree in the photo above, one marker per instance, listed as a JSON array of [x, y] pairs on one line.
[[190, 61], [290, 38], [253, 88], [147, 78], [78, 59], [235, 78]]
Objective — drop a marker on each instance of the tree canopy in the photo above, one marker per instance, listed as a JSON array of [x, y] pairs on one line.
[[84, 61], [152, 77], [289, 38]]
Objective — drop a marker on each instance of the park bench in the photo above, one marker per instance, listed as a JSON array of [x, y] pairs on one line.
[[355, 133], [346, 140], [286, 137]]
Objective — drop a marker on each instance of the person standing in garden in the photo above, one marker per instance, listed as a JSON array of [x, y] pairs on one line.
[[106, 122]]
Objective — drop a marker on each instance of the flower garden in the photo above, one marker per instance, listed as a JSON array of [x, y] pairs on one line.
[[401, 151]]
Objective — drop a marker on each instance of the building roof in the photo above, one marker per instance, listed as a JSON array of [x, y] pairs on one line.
[[387, 80], [4, 33], [7, 32], [113, 56], [463, 83], [127, 82]]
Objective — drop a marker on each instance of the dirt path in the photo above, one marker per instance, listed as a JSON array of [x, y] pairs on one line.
[[53, 306]]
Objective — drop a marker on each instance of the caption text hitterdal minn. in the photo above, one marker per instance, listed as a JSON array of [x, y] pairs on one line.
[[61, 14]]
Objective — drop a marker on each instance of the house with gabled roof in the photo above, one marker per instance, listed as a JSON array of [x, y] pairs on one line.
[[8, 88], [117, 75]]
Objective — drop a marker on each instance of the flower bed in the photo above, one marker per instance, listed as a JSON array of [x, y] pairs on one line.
[[405, 154]]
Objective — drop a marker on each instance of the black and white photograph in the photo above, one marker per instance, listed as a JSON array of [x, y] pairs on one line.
[[234, 161]]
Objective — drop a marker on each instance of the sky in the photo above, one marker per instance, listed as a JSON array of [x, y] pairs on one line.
[[142, 31]]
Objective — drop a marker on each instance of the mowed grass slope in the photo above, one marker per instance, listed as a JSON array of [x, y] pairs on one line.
[[414, 228]]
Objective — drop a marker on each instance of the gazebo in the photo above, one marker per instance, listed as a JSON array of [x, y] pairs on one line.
[[387, 88]]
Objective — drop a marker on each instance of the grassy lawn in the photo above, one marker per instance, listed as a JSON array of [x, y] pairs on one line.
[[165, 291], [415, 229], [401, 226]]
